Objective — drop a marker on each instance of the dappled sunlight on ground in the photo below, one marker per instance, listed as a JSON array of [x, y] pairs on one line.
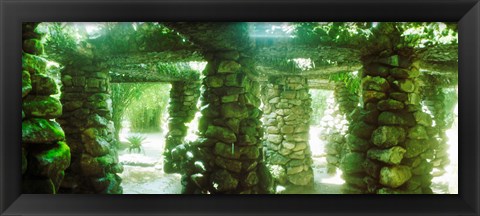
[[143, 172]]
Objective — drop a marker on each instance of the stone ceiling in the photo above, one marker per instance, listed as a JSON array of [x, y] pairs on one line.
[[211, 37]]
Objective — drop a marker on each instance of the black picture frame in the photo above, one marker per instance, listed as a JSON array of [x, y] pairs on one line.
[[465, 12]]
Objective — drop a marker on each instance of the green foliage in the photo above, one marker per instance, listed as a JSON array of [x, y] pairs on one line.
[[319, 105], [421, 34], [346, 34], [61, 40], [181, 70], [350, 79], [145, 113], [123, 94], [136, 142], [356, 35], [132, 37]]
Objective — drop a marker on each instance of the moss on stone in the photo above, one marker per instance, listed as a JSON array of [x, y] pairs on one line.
[[36, 131], [42, 107], [33, 46], [33, 64]]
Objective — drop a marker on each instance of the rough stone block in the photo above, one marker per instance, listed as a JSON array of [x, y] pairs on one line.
[[361, 129], [220, 133], [234, 110], [223, 181], [376, 70], [356, 143], [388, 136], [26, 83], [375, 83], [302, 178], [36, 130], [43, 85], [392, 156], [405, 85], [396, 118], [395, 176], [352, 163], [373, 96], [228, 67], [50, 162], [390, 104], [33, 64], [417, 132], [228, 164], [42, 107], [33, 46]]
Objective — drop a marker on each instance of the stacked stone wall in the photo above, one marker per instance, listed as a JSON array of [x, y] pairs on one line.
[[287, 107], [89, 129], [226, 159], [390, 137], [45, 154], [182, 108]]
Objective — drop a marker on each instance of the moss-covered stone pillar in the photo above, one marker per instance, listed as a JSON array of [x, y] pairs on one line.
[[287, 110], [335, 124], [390, 136], [87, 121], [45, 154], [227, 157], [182, 108]]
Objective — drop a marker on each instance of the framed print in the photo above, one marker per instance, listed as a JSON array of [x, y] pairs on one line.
[[228, 107]]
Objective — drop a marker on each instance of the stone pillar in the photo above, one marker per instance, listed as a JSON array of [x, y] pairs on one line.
[[226, 159], [87, 120], [335, 124], [45, 154], [287, 110], [182, 108], [441, 103], [390, 136]]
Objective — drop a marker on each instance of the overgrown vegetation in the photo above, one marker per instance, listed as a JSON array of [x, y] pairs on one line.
[[319, 104], [136, 142], [351, 80], [141, 104]]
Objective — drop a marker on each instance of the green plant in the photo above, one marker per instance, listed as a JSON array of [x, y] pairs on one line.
[[136, 142], [350, 79]]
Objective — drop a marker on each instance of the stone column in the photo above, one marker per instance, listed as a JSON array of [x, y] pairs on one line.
[[336, 124], [396, 153], [226, 158], [441, 104], [390, 136], [45, 154], [182, 108], [87, 120], [287, 113]]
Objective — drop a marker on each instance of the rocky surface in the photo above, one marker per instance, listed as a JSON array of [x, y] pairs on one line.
[[45, 154], [287, 108], [393, 124], [182, 108], [87, 121]]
